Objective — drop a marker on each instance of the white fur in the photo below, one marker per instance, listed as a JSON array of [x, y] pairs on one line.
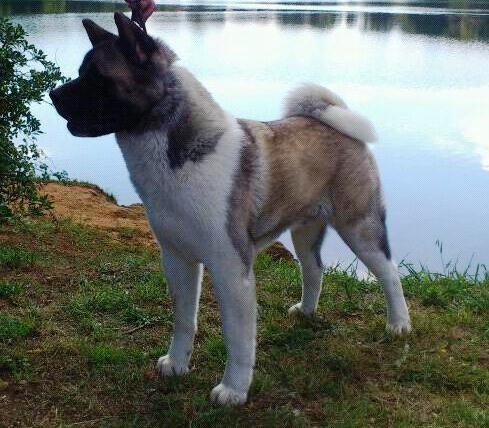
[[184, 279], [170, 367], [324, 105], [222, 394]]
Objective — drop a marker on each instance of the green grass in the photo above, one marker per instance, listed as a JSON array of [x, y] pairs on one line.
[[14, 364], [9, 289], [448, 290], [13, 328], [104, 355], [84, 317], [12, 257]]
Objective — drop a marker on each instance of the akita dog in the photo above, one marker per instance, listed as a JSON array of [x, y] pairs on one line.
[[218, 189]]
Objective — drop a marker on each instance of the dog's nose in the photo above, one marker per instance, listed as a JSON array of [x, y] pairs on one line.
[[57, 99]]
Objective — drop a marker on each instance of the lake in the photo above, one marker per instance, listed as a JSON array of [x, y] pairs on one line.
[[419, 70]]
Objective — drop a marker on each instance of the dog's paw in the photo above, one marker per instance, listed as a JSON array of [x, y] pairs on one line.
[[297, 309], [400, 327], [226, 396], [170, 367]]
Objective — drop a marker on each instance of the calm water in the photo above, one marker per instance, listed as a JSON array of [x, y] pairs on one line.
[[419, 70]]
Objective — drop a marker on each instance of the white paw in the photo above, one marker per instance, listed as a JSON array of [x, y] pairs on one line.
[[400, 327], [170, 367], [227, 396], [297, 309]]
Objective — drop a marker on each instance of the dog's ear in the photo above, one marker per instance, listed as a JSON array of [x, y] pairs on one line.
[[137, 45], [95, 33]]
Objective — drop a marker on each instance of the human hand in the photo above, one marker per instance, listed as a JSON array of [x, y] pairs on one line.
[[141, 9]]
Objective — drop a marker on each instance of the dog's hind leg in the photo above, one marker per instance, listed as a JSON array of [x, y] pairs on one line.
[[307, 239], [234, 285], [367, 238], [184, 279]]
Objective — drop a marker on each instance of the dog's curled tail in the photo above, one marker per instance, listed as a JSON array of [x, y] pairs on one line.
[[324, 105]]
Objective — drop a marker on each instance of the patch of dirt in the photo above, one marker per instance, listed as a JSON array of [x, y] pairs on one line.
[[279, 252], [88, 205]]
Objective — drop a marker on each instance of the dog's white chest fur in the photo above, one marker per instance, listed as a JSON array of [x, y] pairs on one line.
[[186, 206]]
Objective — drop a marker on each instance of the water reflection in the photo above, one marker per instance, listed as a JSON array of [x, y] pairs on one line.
[[467, 26]]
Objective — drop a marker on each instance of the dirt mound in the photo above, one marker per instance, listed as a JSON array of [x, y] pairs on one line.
[[87, 204]]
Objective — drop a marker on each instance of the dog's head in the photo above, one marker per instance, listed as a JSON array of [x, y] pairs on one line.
[[120, 81]]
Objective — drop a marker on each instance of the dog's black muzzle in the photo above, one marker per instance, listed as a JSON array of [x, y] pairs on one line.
[[92, 110], [83, 111]]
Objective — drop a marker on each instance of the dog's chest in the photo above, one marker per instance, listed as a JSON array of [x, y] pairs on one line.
[[186, 206]]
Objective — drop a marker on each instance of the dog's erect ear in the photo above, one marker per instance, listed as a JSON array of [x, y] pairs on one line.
[[137, 45], [96, 34]]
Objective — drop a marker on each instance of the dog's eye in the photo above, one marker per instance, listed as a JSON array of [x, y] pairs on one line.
[[98, 80]]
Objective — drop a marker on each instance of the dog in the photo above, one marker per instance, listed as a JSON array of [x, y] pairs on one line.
[[217, 189]]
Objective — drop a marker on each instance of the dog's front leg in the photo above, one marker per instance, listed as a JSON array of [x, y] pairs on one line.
[[234, 286], [184, 279]]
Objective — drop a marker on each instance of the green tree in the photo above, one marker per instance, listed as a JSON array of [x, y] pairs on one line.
[[25, 76]]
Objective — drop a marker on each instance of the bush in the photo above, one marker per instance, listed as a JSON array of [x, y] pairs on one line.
[[25, 76]]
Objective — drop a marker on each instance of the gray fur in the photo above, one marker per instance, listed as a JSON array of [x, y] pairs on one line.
[[173, 115], [185, 140], [384, 240], [239, 215], [309, 107], [316, 247]]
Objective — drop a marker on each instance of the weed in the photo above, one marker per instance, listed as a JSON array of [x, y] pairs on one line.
[[13, 328], [101, 355], [15, 258], [9, 289], [13, 363]]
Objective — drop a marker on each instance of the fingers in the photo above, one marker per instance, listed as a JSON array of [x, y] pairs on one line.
[[148, 8], [144, 8]]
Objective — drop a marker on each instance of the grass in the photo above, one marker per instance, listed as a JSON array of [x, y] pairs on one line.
[[13, 328], [12, 257], [9, 289], [84, 315]]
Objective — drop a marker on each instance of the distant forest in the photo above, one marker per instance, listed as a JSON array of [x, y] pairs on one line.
[[462, 26]]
